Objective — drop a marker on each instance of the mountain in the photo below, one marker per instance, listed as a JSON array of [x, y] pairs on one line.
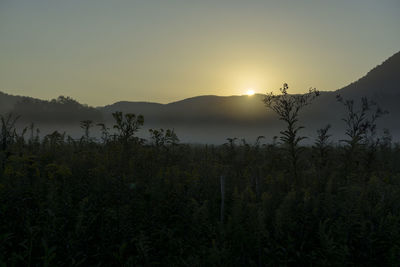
[[201, 109], [383, 80], [212, 118], [382, 85]]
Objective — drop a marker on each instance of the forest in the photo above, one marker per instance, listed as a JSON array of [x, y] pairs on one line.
[[121, 200]]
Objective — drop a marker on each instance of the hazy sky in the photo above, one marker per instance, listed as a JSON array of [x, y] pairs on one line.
[[99, 52]]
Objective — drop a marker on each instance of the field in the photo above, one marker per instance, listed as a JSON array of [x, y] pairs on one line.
[[127, 201]]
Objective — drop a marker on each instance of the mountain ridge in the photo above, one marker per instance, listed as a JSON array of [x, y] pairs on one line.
[[380, 68], [200, 117]]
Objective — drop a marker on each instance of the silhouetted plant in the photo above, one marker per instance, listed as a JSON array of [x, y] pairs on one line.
[[258, 140], [287, 107], [105, 132], [322, 144], [127, 125], [161, 137], [256, 162], [7, 129], [86, 125], [32, 132], [20, 137], [229, 156], [34, 139], [356, 122], [54, 140], [360, 129], [386, 139], [321, 149]]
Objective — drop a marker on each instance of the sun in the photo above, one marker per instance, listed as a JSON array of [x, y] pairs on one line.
[[250, 92]]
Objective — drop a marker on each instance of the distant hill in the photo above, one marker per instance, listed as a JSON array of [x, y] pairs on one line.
[[7, 102], [214, 118], [381, 81], [199, 110], [381, 84], [60, 110]]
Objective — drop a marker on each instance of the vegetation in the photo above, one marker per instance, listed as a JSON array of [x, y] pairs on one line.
[[122, 200], [287, 107]]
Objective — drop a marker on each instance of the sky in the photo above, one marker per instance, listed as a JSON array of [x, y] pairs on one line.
[[99, 52]]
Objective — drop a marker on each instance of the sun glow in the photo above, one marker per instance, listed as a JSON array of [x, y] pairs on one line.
[[250, 92]]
